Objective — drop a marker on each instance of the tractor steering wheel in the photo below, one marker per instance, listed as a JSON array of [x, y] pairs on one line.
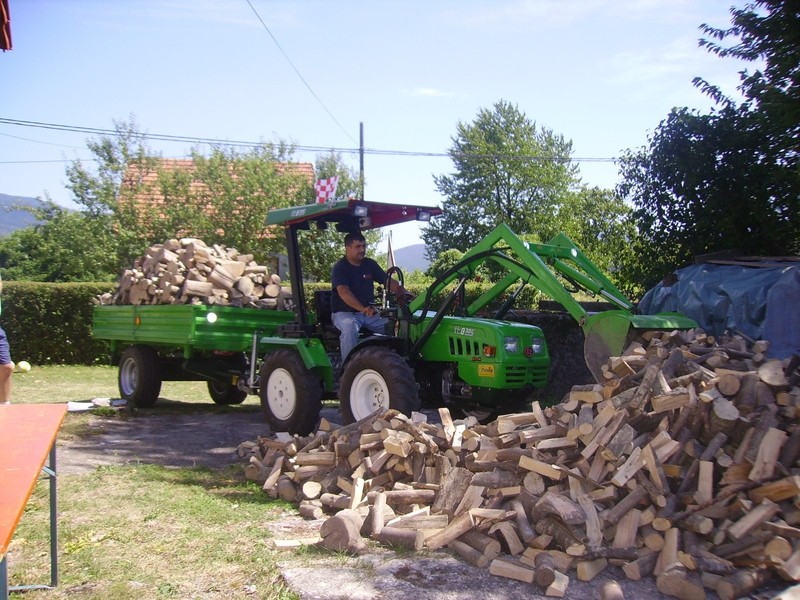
[[391, 271]]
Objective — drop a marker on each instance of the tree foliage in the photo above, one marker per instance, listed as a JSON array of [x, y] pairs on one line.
[[67, 246], [729, 179], [600, 224], [130, 198], [507, 169]]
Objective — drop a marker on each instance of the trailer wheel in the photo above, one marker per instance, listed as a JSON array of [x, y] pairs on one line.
[[291, 395], [377, 378], [222, 392], [139, 376]]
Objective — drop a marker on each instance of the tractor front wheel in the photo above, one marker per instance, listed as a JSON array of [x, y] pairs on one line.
[[291, 395], [377, 378]]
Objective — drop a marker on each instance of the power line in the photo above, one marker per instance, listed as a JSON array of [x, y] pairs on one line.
[[301, 148], [286, 56]]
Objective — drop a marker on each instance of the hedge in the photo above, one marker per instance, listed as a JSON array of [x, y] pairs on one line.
[[51, 323]]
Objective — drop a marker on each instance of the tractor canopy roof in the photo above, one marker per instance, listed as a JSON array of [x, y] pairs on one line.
[[351, 215]]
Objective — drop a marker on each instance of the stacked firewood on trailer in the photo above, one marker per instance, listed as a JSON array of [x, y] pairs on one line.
[[188, 271], [682, 465]]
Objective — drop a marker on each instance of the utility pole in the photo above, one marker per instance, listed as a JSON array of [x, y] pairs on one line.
[[361, 157]]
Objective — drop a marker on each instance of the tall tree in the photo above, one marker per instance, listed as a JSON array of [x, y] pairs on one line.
[[507, 169], [225, 195], [729, 179], [767, 31], [65, 246], [600, 224], [131, 198]]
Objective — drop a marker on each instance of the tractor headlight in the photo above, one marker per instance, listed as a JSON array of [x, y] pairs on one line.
[[537, 345], [211, 317], [511, 344]]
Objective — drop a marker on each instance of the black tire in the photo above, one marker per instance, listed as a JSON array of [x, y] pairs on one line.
[[377, 378], [222, 392], [139, 376], [291, 395]]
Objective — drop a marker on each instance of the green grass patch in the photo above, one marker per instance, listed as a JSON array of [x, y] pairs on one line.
[[57, 384], [147, 532]]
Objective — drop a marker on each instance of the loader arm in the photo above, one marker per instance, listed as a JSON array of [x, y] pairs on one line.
[[549, 268]]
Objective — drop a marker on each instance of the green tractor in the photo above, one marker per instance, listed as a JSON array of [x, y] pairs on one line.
[[453, 353]]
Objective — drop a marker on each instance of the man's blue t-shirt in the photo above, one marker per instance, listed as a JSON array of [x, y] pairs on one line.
[[360, 279]]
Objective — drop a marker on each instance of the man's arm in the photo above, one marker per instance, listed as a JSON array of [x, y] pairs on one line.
[[350, 299]]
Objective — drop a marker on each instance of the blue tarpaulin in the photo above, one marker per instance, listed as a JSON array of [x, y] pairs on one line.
[[760, 302]]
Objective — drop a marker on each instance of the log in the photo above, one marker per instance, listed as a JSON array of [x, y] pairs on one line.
[[341, 533], [741, 583], [587, 570], [511, 570], [403, 538], [681, 583], [457, 527], [452, 490], [545, 569], [468, 553], [611, 590], [376, 514], [558, 589], [483, 543]]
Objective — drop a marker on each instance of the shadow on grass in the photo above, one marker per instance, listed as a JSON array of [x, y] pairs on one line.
[[176, 434], [168, 406], [228, 483]]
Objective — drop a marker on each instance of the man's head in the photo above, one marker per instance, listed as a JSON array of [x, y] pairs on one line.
[[355, 247]]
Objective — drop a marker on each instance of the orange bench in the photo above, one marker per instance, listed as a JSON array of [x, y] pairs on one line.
[[27, 437]]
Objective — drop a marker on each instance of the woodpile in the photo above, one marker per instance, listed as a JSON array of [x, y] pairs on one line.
[[682, 466], [187, 271]]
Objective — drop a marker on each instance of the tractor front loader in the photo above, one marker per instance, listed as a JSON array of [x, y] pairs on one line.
[[560, 270]]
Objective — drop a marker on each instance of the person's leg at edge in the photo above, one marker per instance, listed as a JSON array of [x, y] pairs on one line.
[[6, 369]]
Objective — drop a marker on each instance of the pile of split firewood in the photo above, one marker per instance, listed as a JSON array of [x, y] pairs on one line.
[[683, 466], [188, 271]]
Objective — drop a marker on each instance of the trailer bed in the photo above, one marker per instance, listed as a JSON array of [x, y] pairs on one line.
[[189, 326]]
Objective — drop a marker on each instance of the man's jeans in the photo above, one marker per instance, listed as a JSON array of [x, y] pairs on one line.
[[350, 323]]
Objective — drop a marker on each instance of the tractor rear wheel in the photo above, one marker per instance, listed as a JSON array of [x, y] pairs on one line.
[[291, 395], [377, 378]]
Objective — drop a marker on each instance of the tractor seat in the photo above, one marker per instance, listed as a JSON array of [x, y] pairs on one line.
[[322, 304]]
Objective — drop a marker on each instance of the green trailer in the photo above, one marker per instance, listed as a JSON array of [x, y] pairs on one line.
[[183, 342]]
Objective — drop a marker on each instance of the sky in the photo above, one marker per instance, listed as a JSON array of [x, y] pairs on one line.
[[602, 73]]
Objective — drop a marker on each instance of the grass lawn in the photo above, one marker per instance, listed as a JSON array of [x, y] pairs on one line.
[[144, 532], [63, 383]]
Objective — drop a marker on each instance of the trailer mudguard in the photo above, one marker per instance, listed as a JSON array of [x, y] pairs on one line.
[[311, 351]]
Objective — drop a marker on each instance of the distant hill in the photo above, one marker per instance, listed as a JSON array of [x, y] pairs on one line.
[[11, 218], [411, 258]]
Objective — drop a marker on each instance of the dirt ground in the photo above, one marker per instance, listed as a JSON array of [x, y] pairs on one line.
[[210, 440]]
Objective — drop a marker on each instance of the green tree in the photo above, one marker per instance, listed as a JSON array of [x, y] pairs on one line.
[[729, 179], [66, 246], [507, 169], [100, 192], [130, 199], [225, 196], [600, 224], [767, 31]]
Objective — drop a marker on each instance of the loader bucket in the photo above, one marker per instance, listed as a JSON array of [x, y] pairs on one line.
[[607, 334]]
